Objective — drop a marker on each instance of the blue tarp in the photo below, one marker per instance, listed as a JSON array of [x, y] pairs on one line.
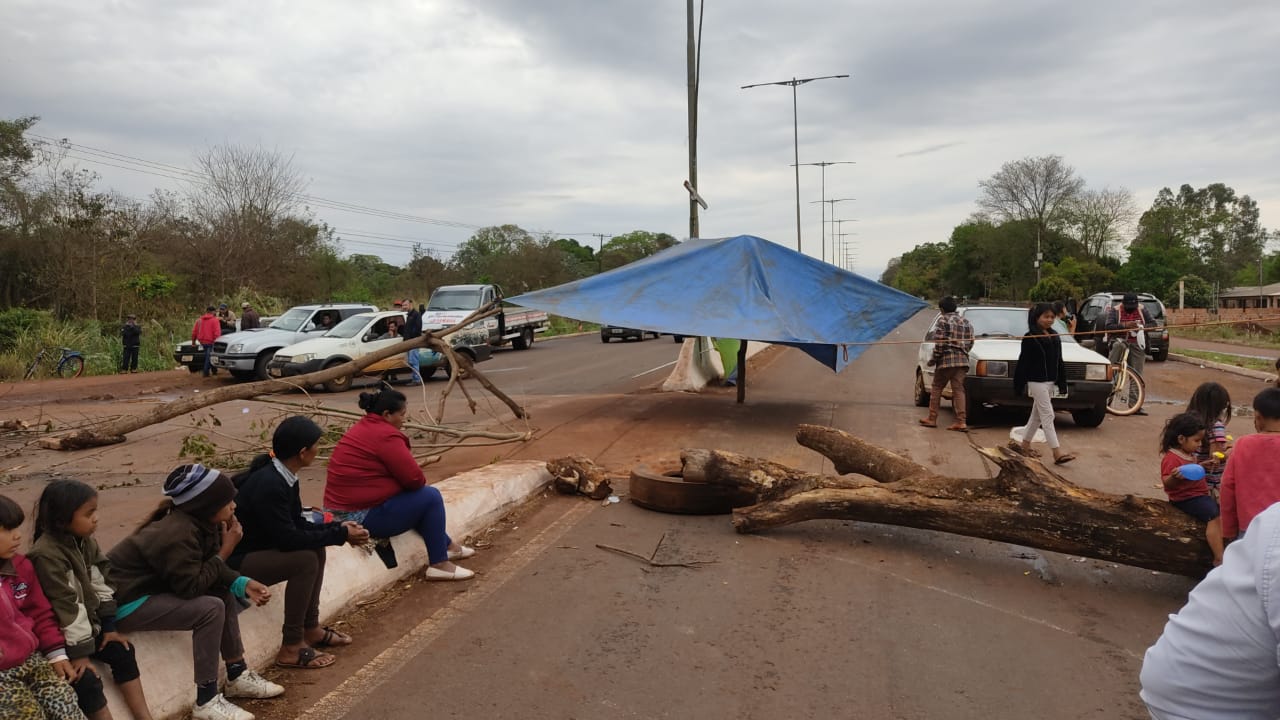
[[741, 287]]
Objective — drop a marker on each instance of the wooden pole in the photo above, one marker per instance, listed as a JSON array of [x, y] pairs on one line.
[[742, 371]]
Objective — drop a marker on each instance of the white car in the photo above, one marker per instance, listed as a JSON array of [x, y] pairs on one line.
[[360, 335], [995, 356]]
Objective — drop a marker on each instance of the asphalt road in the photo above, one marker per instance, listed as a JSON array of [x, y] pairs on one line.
[[582, 365], [820, 620]]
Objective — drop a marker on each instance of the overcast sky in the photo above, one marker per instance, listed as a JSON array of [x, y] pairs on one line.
[[569, 116]]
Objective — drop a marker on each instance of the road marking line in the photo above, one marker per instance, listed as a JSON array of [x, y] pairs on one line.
[[345, 698], [502, 370], [960, 596]]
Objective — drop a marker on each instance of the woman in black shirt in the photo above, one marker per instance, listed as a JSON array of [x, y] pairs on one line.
[[1039, 369]]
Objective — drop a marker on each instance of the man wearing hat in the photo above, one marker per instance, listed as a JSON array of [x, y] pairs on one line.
[[226, 319], [249, 318], [131, 335], [1125, 323]]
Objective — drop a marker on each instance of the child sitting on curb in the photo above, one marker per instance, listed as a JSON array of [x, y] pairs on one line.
[[34, 669], [172, 574], [74, 574], [1251, 481]]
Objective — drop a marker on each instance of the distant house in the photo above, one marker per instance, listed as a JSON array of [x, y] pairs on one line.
[[1251, 296]]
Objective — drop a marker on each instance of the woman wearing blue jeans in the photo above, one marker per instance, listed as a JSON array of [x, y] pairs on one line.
[[374, 480]]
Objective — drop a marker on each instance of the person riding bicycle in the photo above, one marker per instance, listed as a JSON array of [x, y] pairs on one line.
[[1125, 323]]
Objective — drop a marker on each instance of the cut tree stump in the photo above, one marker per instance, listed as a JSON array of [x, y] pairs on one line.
[[1024, 504]]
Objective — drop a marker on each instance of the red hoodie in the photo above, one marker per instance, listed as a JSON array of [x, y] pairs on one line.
[[371, 463], [27, 622], [207, 329]]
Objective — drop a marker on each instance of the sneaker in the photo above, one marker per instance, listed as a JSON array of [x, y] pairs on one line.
[[219, 708], [252, 685]]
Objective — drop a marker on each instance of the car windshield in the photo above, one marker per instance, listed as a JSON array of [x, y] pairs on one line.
[[454, 300], [291, 320], [350, 327], [1000, 322]]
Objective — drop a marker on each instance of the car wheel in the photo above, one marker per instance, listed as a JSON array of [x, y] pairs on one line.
[[921, 394], [242, 375], [260, 364], [604, 338], [1090, 417], [525, 341], [338, 384], [193, 369], [974, 410], [1160, 355], [677, 338]]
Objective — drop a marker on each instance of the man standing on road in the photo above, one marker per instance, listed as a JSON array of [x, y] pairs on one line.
[[207, 329], [131, 334], [953, 339], [249, 318], [1128, 320], [412, 329]]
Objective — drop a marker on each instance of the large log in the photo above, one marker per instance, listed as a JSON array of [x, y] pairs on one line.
[[1025, 503], [114, 431]]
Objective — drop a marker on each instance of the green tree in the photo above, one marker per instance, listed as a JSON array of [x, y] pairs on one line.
[[1196, 293], [633, 246], [1041, 191], [919, 271], [1053, 288]]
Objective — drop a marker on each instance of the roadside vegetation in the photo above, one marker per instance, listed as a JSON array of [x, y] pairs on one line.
[[77, 258], [1231, 334], [1252, 363], [1093, 240]]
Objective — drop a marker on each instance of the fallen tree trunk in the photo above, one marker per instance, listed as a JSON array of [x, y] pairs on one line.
[[114, 431], [1025, 503]]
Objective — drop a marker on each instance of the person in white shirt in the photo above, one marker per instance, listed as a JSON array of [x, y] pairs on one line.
[[1218, 656]]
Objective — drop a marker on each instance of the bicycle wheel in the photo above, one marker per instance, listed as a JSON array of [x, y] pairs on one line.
[[72, 367], [1127, 394]]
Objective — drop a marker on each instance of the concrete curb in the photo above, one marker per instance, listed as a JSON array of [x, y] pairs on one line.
[[1224, 367], [475, 500], [699, 364]]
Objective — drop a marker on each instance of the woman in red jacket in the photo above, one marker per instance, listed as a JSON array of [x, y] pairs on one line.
[[375, 481]]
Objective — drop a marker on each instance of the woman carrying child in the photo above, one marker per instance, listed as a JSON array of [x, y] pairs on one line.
[[34, 669], [75, 576], [1179, 441], [279, 545], [171, 574]]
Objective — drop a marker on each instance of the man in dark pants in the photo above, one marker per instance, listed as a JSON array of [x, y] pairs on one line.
[[131, 334], [412, 329], [1125, 321]]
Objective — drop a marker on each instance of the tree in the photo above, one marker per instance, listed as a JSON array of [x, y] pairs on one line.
[[1153, 269], [1040, 190], [1218, 230], [919, 271], [477, 258], [1196, 293], [1101, 218], [633, 246], [1053, 288]]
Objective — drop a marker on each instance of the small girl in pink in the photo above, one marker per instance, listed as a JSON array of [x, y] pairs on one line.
[[1251, 482]]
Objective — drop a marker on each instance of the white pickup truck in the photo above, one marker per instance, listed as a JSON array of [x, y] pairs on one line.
[[453, 303]]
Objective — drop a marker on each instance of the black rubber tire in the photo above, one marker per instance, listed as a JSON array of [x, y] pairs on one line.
[[604, 338], [260, 364], [193, 369], [72, 368], [339, 384], [1161, 355], [428, 373], [671, 494], [1089, 417], [525, 341], [677, 338], [921, 394], [243, 375]]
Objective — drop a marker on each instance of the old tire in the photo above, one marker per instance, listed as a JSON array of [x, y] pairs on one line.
[[1090, 417], [921, 393], [338, 384], [670, 493]]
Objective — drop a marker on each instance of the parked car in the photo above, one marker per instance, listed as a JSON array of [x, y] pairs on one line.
[[611, 332], [994, 358], [360, 335], [1093, 314], [451, 304], [247, 353], [190, 356]]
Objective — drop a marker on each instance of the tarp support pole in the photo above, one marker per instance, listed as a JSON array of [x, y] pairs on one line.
[[742, 371]]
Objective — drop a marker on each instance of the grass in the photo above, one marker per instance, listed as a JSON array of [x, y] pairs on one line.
[[1228, 359], [557, 325], [99, 342], [1229, 334]]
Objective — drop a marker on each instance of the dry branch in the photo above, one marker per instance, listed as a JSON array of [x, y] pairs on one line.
[[1025, 503]]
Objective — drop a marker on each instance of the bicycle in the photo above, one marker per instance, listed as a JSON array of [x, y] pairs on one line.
[[1125, 381], [70, 365]]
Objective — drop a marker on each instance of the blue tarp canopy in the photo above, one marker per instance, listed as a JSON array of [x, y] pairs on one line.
[[740, 287]]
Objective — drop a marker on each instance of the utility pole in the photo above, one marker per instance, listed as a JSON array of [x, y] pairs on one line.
[[793, 83], [824, 165], [600, 248], [839, 237], [694, 52], [832, 203]]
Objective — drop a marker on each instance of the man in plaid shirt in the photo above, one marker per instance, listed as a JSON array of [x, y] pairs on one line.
[[953, 338]]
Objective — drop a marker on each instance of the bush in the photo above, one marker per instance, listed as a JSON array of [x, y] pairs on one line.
[[1197, 293], [17, 322], [1053, 288]]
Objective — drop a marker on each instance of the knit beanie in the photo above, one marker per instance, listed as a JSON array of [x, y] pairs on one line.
[[199, 491], [295, 434]]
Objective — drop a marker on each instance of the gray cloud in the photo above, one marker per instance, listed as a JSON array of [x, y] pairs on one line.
[[569, 115]]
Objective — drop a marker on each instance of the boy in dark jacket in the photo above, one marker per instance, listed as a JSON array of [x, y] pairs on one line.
[[34, 669]]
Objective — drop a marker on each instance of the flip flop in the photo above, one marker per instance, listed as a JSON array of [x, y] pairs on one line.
[[928, 423], [1064, 459], [333, 638], [309, 659]]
